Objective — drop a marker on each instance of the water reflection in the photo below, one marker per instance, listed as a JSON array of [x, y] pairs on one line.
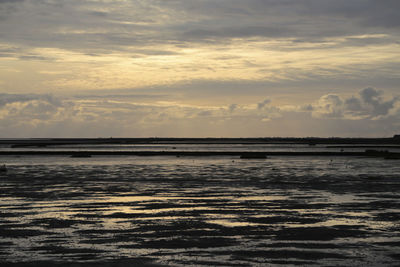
[[195, 211]]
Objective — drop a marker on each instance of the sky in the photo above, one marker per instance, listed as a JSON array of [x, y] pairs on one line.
[[199, 68]]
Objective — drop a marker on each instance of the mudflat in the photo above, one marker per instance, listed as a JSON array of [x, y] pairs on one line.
[[210, 211]]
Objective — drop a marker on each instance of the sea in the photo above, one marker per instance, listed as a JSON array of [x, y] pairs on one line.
[[200, 210]]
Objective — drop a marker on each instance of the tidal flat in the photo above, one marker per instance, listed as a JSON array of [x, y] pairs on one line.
[[193, 211]]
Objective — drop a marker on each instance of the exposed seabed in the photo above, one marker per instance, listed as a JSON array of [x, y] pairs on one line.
[[207, 211]]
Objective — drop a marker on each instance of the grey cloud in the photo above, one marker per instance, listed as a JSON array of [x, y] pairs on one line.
[[152, 52], [205, 113], [368, 104], [98, 13], [46, 115], [304, 17], [10, 50], [121, 96], [383, 14], [377, 104], [21, 53], [381, 40], [201, 89], [330, 106], [37, 109], [35, 57], [239, 32], [11, 1], [233, 107], [370, 95], [307, 108], [18, 108], [370, 13], [8, 7], [12, 98], [353, 104], [120, 25], [262, 104]]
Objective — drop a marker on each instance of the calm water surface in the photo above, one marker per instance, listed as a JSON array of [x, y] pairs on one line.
[[201, 211]]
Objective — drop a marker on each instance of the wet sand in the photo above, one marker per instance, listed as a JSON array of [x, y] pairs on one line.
[[200, 212]]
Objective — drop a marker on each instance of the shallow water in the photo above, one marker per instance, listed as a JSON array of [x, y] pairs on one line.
[[201, 211], [278, 147]]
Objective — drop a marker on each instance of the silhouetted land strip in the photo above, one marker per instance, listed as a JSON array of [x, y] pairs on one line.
[[367, 153], [42, 142], [364, 146]]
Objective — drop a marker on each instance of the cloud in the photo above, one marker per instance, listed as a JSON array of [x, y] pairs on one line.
[[10, 1], [301, 18], [117, 44], [26, 115], [205, 113], [238, 32], [232, 107], [8, 7], [369, 103], [375, 103], [189, 61], [367, 113], [21, 98], [19, 109], [262, 104], [329, 106], [120, 25]]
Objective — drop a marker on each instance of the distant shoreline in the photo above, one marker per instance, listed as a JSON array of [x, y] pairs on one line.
[[243, 154], [41, 142]]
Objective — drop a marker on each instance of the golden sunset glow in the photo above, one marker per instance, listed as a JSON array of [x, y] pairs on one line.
[[205, 55]]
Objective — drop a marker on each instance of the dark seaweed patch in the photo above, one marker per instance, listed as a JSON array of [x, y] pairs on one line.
[[122, 215], [15, 214], [105, 231], [283, 254], [65, 250], [177, 243], [18, 233], [389, 244], [305, 245], [388, 216], [319, 233], [144, 262], [395, 256], [292, 262], [211, 263], [6, 244], [111, 240], [284, 219]]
